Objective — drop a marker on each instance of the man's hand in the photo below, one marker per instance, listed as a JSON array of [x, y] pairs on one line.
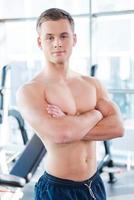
[[54, 111]]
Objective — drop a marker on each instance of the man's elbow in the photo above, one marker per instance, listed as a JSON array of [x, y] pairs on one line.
[[59, 138], [120, 131], [64, 136]]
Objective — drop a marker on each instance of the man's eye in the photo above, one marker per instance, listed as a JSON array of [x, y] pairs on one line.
[[64, 36], [50, 38]]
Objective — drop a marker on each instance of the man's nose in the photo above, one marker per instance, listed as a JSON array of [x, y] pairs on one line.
[[57, 43]]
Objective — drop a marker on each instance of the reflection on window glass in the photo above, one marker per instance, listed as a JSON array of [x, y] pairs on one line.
[[73, 7], [113, 34], [83, 37], [124, 68], [113, 53], [114, 46], [80, 61], [104, 63], [21, 40], [79, 7], [12, 9], [112, 5], [3, 56], [33, 8]]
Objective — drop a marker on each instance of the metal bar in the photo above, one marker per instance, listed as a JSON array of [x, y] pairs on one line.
[[35, 18], [90, 31], [99, 14], [17, 19], [126, 91], [113, 13]]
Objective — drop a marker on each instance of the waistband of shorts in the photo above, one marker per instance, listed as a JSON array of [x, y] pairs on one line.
[[68, 182]]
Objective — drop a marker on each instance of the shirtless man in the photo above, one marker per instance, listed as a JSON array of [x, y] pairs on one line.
[[69, 112]]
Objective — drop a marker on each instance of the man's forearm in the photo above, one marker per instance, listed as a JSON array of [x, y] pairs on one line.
[[83, 123], [111, 126], [108, 128], [74, 128]]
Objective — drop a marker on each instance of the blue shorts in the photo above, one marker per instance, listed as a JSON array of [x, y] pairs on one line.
[[53, 188]]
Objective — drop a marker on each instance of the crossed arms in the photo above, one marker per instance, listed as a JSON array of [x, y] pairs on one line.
[[103, 122]]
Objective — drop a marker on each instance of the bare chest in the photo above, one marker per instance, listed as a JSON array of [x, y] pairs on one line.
[[72, 98]]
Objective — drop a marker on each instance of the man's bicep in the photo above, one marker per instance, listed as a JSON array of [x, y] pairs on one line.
[[104, 104], [33, 108], [107, 107]]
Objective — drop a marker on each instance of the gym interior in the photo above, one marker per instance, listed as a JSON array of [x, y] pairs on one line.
[[105, 49]]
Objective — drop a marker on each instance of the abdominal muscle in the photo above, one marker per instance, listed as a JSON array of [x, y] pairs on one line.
[[74, 161]]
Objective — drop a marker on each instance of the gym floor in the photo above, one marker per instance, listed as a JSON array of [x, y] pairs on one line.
[[122, 189]]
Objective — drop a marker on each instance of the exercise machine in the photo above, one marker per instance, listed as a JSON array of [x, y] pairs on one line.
[[29, 159]]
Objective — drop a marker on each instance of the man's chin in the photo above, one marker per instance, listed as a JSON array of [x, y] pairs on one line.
[[59, 62]]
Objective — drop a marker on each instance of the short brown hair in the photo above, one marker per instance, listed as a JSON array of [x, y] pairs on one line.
[[54, 14]]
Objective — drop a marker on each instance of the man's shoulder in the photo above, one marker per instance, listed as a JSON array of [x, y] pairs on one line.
[[29, 89], [81, 76], [35, 84], [96, 83], [90, 79]]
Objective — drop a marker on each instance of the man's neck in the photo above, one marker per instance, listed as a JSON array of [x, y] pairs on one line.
[[57, 72]]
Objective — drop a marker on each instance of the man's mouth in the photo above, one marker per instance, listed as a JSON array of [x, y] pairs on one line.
[[58, 53]]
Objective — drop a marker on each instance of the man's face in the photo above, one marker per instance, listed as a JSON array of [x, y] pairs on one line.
[[56, 39]]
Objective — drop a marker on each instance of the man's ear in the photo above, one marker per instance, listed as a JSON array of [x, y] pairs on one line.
[[74, 39], [39, 42]]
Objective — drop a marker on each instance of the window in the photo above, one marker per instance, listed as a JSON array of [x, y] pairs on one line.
[[113, 49]]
